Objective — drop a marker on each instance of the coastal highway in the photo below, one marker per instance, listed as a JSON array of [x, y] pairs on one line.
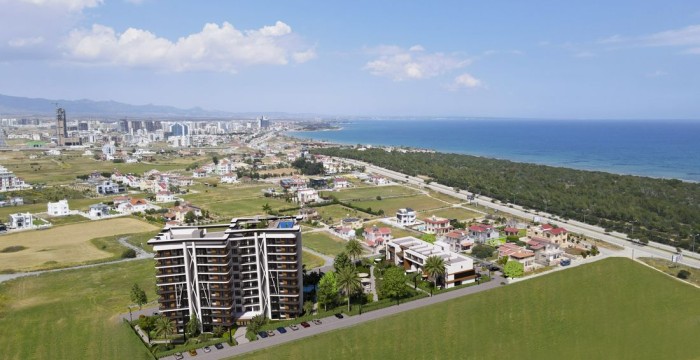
[[630, 249]]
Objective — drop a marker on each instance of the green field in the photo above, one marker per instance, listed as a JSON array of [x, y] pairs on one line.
[[310, 260], [323, 242], [337, 212], [611, 309], [418, 203], [368, 193], [74, 204], [395, 231], [72, 314], [234, 201], [63, 169], [453, 213]]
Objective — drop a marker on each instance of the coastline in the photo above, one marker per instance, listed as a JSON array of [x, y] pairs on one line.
[[299, 137]]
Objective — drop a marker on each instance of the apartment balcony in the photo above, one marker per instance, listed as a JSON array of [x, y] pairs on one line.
[[165, 290], [220, 287], [282, 258], [170, 271], [222, 304], [170, 279], [169, 262], [168, 254], [288, 284], [172, 306], [212, 252]]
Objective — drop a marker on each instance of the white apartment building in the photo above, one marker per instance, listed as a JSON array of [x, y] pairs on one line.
[[10, 182]]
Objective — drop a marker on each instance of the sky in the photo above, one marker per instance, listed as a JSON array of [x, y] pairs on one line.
[[526, 59]]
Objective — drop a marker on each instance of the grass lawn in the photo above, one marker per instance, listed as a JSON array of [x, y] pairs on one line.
[[65, 245], [337, 212], [311, 261], [610, 309], [72, 314], [445, 197], [74, 204], [418, 203], [65, 220], [368, 193], [453, 213], [234, 200], [323, 242]]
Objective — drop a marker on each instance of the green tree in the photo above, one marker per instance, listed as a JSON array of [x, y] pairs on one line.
[[482, 251], [190, 217], [147, 323], [349, 282], [138, 296], [341, 261], [164, 327], [434, 266], [192, 326], [415, 277], [215, 160], [218, 331], [503, 260], [327, 289], [308, 307], [354, 249], [266, 208], [513, 269], [359, 232], [394, 283]]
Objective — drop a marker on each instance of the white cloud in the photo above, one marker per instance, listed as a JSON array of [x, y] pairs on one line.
[[72, 5], [412, 64], [465, 81], [25, 42], [216, 48], [688, 37]]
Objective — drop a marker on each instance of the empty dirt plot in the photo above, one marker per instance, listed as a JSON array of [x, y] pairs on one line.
[[62, 246]]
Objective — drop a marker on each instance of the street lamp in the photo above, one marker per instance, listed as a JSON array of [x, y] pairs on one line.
[[130, 319]]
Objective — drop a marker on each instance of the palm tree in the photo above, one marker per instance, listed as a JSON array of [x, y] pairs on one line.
[[435, 267], [354, 249], [348, 281], [164, 327], [267, 208]]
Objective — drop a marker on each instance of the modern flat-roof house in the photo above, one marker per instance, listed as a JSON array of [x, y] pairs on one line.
[[227, 274], [406, 217], [411, 253], [305, 196], [59, 208], [109, 187], [10, 182], [21, 221], [98, 210]]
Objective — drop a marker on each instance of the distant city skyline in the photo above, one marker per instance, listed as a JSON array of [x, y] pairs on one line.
[[598, 60]]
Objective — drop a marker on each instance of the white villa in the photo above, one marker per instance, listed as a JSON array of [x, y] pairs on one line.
[[305, 196], [411, 254], [98, 210], [59, 208], [406, 217], [21, 221]]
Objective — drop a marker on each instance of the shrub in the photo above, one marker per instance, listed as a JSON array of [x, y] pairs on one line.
[[129, 254], [683, 274]]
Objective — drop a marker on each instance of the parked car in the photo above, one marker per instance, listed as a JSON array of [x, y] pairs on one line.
[[338, 315], [304, 324], [281, 330], [178, 356], [262, 334], [207, 349], [270, 332], [317, 321], [219, 346], [193, 352], [565, 262], [494, 268], [294, 327]]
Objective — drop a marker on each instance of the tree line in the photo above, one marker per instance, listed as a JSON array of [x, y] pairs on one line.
[[647, 209]]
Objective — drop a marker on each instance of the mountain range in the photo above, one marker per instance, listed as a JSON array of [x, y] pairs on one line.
[[23, 106]]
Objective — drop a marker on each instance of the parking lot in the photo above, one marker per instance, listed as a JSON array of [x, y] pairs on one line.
[[269, 340]]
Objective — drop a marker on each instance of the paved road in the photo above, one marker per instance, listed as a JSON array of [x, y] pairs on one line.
[[331, 323], [140, 254], [631, 249]]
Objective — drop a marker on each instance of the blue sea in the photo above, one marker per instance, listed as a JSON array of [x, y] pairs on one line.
[[661, 149]]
